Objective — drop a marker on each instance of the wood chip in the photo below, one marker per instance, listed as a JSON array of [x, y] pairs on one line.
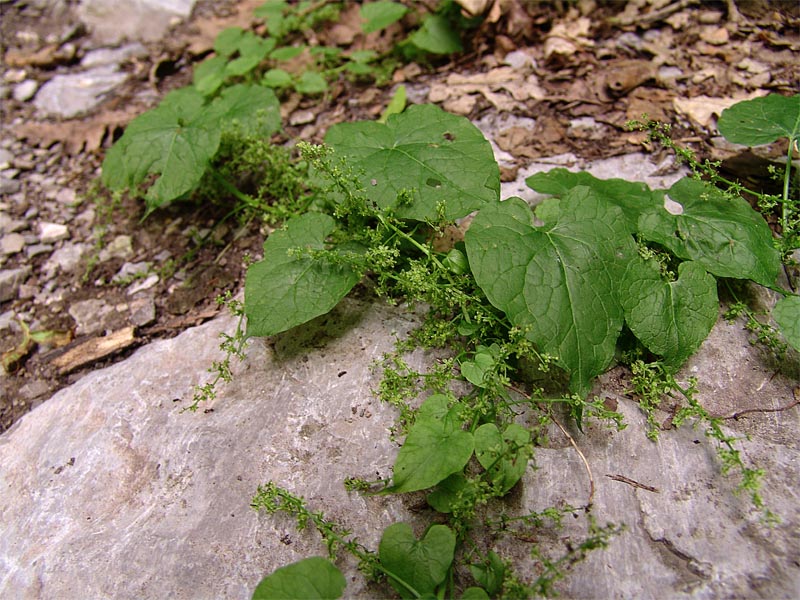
[[89, 351]]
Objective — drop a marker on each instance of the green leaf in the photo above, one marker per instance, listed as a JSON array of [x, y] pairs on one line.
[[311, 83], [379, 15], [724, 234], [436, 36], [286, 288], [435, 447], [438, 157], [474, 593], [286, 52], [396, 105], [276, 78], [630, 196], [314, 578], [557, 281], [761, 120], [209, 75], [252, 50], [490, 574], [787, 315], [273, 13], [227, 41], [504, 456], [420, 564], [450, 491], [173, 141], [482, 365], [251, 109], [671, 318]]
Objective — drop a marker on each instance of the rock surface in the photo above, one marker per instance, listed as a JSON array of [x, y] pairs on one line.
[[111, 491]]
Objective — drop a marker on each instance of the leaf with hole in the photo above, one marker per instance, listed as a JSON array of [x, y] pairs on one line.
[[504, 456], [761, 120], [288, 288], [557, 281], [315, 578], [787, 315], [722, 233], [671, 318], [439, 157], [435, 447], [419, 564]]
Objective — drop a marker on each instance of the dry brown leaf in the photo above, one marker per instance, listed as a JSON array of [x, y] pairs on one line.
[[77, 135], [702, 109], [622, 76]]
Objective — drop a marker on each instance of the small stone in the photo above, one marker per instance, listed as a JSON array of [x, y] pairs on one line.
[[112, 56], [752, 66], [6, 156], [36, 249], [6, 319], [9, 186], [34, 389], [120, 247], [144, 284], [10, 282], [11, 243], [301, 117], [71, 95], [25, 91], [709, 17], [142, 311], [9, 225], [15, 75], [49, 233], [129, 270], [66, 196], [67, 258], [90, 316], [716, 36]]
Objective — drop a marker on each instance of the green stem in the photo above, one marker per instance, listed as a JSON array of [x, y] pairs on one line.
[[249, 201]]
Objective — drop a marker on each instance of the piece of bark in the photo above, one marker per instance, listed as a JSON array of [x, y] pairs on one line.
[[94, 349]]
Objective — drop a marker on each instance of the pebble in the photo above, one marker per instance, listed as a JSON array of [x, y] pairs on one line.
[[34, 389], [301, 117], [25, 91], [89, 316], [716, 36], [120, 247], [144, 284], [11, 243], [130, 270], [70, 95], [10, 282], [111, 56], [143, 311], [9, 186], [36, 249], [49, 233], [6, 156], [9, 225], [66, 259]]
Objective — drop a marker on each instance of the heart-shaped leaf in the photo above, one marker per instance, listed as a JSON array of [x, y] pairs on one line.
[[435, 447], [558, 281], [671, 318], [504, 456], [286, 288], [314, 578], [436, 156], [722, 233], [381, 14], [416, 567], [761, 120]]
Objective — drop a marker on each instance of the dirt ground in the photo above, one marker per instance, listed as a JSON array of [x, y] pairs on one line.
[[592, 66]]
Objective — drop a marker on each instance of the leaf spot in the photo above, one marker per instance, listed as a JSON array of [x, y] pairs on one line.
[[433, 182], [672, 207]]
